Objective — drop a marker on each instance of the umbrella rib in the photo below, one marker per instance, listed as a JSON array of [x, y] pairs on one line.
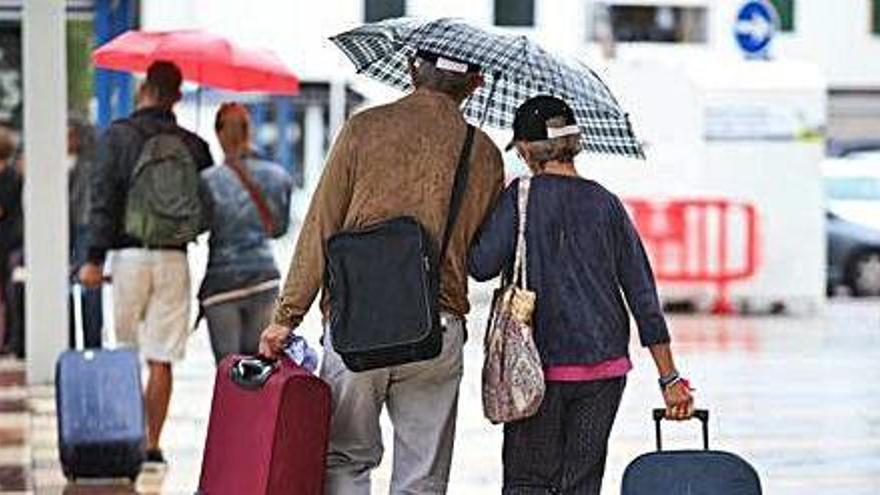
[[498, 74]]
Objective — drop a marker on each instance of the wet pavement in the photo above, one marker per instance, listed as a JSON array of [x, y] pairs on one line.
[[797, 397]]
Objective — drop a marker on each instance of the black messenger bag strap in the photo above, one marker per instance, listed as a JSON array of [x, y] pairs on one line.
[[459, 185]]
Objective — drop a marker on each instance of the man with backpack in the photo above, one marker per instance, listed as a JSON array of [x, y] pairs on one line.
[[413, 165], [147, 204]]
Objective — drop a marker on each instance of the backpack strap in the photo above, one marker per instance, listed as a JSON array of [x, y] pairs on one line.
[[458, 187], [148, 129], [256, 195]]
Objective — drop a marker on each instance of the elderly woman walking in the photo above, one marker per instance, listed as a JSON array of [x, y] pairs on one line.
[[582, 253], [251, 202]]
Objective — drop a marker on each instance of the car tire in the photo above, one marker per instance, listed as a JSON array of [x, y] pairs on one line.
[[863, 274]]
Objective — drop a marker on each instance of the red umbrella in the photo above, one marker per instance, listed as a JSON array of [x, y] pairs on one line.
[[203, 58]]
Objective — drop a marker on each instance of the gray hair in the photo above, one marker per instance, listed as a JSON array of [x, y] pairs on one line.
[[453, 84], [562, 149]]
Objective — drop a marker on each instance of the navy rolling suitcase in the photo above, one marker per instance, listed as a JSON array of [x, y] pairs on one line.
[[100, 407], [689, 472]]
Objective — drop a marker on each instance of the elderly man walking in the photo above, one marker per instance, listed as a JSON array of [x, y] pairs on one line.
[[396, 160]]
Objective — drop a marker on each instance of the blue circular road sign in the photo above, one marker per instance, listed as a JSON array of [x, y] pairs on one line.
[[755, 25]]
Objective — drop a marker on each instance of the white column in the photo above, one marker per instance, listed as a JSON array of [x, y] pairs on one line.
[[313, 151], [337, 99], [45, 193], [313, 157]]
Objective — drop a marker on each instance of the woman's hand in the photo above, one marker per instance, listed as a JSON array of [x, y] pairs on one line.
[[273, 340], [677, 394], [679, 401]]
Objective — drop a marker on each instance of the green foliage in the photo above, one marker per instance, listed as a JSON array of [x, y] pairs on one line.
[[80, 36]]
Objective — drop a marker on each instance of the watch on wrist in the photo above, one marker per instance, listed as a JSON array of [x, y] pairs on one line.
[[667, 380]]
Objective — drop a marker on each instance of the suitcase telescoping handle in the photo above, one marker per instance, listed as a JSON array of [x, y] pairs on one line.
[[252, 373], [79, 328], [701, 414]]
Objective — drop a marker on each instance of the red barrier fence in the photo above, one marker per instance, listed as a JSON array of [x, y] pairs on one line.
[[699, 241]]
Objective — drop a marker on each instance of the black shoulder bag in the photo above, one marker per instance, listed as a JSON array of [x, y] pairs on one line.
[[384, 286]]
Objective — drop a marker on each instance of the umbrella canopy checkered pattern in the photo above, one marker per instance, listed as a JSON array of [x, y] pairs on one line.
[[514, 67]]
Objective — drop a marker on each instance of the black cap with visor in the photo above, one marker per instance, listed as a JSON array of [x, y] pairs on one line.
[[530, 120]]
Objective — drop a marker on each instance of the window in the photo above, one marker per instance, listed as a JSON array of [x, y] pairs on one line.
[[875, 16], [377, 10], [853, 188], [515, 13], [785, 9], [654, 24]]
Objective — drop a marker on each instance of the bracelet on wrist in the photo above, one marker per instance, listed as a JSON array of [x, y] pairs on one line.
[[680, 380], [667, 380]]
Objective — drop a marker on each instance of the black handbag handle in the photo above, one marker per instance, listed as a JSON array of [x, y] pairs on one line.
[[459, 185], [701, 414], [251, 373]]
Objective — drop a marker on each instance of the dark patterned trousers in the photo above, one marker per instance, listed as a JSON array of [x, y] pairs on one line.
[[562, 448]]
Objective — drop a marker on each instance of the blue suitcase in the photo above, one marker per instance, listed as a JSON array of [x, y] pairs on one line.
[[689, 472], [101, 430]]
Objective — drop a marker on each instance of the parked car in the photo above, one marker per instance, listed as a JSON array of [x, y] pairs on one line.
[[852, 147], [852, 187], [853, 257]]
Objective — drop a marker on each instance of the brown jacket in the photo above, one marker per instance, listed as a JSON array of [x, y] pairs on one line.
[[388, 161]]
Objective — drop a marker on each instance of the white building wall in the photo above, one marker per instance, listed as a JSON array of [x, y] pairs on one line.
[[296, 31], [478, 11], [835, 34]]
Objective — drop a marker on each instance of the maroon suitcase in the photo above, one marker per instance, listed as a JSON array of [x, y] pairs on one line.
[[268, 431]]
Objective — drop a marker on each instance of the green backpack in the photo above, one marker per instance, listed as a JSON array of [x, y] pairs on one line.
[[164, 208]]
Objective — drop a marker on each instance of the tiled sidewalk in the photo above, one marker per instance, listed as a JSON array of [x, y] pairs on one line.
[[183, 437], [15, 451]]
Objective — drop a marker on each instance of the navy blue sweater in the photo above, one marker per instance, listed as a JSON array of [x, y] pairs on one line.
[[583, 252]]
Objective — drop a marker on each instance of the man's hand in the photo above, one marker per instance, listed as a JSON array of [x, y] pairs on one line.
[[273, 339], [91, 275], [679, 401]]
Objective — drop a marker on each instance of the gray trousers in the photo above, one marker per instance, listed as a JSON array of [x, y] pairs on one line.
[[422, 401], [235, 326]]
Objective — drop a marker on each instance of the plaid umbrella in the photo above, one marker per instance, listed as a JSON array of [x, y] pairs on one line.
[[514, 68]]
